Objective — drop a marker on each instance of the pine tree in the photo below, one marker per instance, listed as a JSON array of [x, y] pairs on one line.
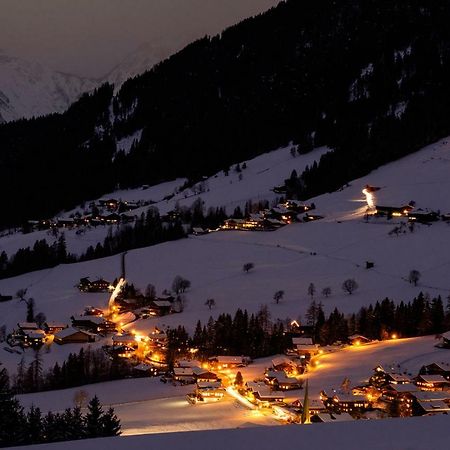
[[110, 423], [12, 418], [34, 426], [92, 421]]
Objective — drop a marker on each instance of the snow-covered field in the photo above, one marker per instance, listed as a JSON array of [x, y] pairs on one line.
[[149, 406], [417, 433], [324, 252]]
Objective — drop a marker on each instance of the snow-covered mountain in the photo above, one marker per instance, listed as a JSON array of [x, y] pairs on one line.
[[29, 88], [138, 62]]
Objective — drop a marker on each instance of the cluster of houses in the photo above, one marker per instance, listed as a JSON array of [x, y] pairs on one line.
[[104, 212], [271, 219], [410, 213]]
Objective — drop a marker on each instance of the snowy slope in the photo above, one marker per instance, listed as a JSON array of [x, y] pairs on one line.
[[28, 89], [324, 252], [430, 433], [262, 174]]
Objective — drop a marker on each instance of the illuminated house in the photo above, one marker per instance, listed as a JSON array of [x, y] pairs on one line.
[[209, 391], [93, 324], [357, 339], [100, 285], [436, 369], [423, 217], [54, 327], [227, 362], [432, 408], [74, 336], [382, 378], [265, 398], [305, 347], [316, 406], [34, 337], [252, 224], [432, 382], [393, 211], [349, 403], [184, 375]]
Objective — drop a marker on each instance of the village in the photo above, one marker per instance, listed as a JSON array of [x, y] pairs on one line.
[[276, 387]]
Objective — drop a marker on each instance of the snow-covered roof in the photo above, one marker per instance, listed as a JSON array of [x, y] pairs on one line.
[[427, 396], [302, 341], [70, 331], [93, 319], [28, 325], [228, 359], [446, 335], [35, 334], [282, 360], [399, 377], [123, 338], [433, 379], [408, 387], [55, 324], [434, 406], [189, 363], [162, 303], [209, 385], [183, 371]]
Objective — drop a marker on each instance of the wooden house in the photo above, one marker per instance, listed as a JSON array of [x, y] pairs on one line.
[[432, 382], [445, 343], [284, 364], [124, 339], [93, 324], [436, 369], [204, 375], [184, 375], [74, 336], [316, 406], [158, 338], [357, 339], [34, 337], [227, 362], [54, 327], [349, 403], [265, 398], [432, 408], [27, 326], [209, 391], [100, 285], [285, 383], [161, 307], [393, 211], [423, 217]]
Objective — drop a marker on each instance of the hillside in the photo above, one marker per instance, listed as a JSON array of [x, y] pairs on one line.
[[324, 252], [293, 74]]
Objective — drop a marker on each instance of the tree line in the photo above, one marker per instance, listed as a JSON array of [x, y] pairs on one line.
[[21, 427], [85, 367], [148, 229], [419, 317]]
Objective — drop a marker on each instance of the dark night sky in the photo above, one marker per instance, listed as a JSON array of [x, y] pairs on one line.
[[89, 37]]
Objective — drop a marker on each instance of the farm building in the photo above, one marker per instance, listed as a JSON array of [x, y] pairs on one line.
[[74, 336]]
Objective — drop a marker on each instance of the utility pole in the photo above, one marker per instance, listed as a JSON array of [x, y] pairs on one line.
[[123, 272]]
